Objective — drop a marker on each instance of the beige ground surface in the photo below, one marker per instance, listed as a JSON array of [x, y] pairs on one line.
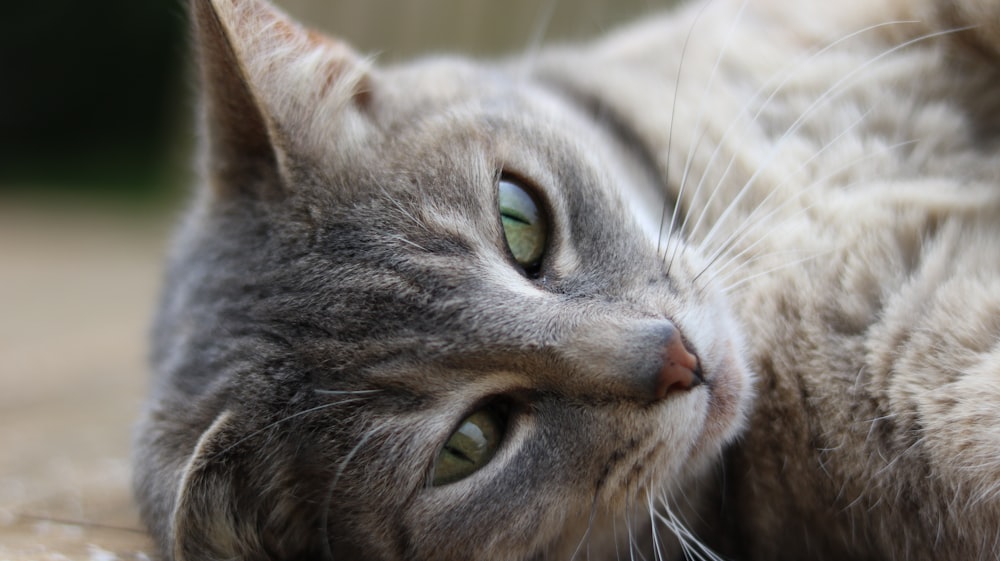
[[76, 289]]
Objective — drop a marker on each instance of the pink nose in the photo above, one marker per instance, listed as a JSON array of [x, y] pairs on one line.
[[680, 371]]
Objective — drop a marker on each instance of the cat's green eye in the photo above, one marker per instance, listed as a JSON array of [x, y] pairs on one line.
[[470, 447], [524, 225]]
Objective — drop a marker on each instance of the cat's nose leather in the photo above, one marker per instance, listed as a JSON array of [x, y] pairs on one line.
[[680, 371]]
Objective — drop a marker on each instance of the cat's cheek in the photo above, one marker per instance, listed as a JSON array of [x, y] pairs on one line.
[[733, 395], [462, 522]]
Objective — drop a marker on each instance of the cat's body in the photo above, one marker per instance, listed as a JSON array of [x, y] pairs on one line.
[[342, 297], [876, 431]]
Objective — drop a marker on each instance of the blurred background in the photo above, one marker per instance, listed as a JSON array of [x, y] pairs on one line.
[[96, 135], [96, 97]]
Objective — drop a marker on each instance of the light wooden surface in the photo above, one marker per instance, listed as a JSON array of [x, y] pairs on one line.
[[76, 291]]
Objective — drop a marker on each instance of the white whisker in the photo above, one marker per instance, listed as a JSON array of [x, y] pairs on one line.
[[692, 547], [346, 392], [743, 281], [836, 88], [751, 225], [777, 189], [658, 552], [325, 518], [786, 73], [628, 531], [670, 131], [590, 527], [400, 238], [283, 420], [721, 276], [698, 119], [542, 24], [395, 202]]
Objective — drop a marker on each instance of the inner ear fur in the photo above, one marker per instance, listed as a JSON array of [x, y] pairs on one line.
[[272, 91], [241, 150]]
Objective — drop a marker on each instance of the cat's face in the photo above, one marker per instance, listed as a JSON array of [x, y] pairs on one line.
[[419, 315]]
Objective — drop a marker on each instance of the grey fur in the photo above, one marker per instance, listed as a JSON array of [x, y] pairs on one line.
[[340, 295]]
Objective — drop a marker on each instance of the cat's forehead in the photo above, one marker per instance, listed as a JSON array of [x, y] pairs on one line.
[[439, 81], [450, 122], [446, 128], [467, 97]]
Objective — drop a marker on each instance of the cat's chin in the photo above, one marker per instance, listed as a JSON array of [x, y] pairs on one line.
[[729, 391], [652, 487]]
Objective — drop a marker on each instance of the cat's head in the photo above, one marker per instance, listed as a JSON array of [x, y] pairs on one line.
[[416, 313]]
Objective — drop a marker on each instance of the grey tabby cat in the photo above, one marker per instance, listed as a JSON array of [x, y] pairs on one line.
[[456, 310]]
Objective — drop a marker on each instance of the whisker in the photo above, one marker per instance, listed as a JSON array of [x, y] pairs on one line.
[[628, 530], [542, 24], [673, 526], [836, 88], [682, 533], [400, 238], [701, 113], [402, 210], [614, 529], [657, 551], [695, 546], [777, 189], [786, 73], [721, 278], [282, 421], [670, 131], [743, 281], [345, 392], [590, 527], [325, 517], [752, 224], [685, 538], [744, 231]]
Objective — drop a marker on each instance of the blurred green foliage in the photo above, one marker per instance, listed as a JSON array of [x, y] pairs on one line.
[[92, 96]]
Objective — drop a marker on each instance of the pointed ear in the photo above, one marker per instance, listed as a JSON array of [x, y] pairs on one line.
[[235, 501], [273, 92]]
